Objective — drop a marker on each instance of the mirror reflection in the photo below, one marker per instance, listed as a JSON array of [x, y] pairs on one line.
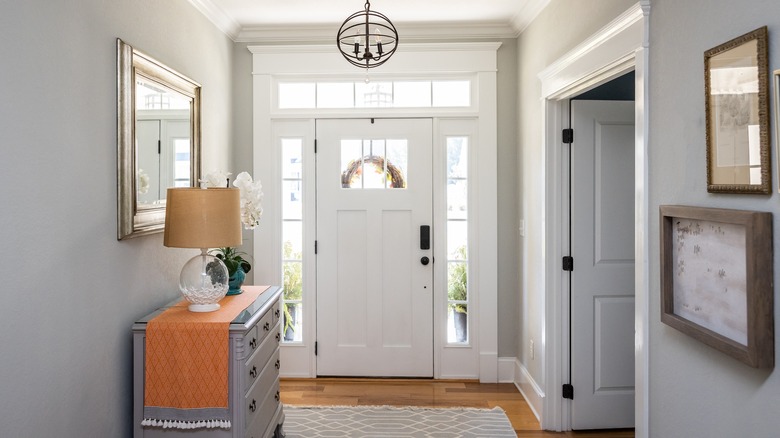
[[162, 131]]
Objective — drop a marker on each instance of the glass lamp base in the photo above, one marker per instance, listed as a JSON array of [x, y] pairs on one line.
[[204, 282], [203, 307]]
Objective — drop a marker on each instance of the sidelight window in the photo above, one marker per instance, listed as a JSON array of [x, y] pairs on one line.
[[292, 239], [457, 240]]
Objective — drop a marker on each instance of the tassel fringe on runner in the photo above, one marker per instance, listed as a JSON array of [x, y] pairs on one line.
[[169, 424]]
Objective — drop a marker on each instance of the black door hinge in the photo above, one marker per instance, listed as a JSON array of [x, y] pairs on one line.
[[568, 136], [568, 391], [568, 263], [159, 147], [315, 145], [315, 348], [315, 247]]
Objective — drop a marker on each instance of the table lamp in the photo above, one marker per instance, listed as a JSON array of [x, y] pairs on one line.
[[203, 218]]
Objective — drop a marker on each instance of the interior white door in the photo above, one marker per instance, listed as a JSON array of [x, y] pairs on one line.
[[602, 282], [374, 294]]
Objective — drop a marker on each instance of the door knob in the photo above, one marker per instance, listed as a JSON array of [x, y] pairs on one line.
[[425, 261]]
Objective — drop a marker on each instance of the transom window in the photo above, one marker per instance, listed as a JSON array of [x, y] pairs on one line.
[[392, 94]]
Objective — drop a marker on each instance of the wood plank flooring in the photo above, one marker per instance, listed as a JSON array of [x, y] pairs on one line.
[[430, 393]]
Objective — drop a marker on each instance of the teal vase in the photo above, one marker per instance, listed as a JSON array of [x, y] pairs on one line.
[[235, 281]]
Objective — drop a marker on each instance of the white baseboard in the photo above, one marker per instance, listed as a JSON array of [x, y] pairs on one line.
[[529, 388], [506, 369]]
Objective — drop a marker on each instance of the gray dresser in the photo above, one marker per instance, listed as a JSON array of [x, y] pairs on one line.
[[253, 380]]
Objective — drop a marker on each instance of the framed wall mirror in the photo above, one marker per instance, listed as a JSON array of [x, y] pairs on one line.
[[736, 77], [158, 139]]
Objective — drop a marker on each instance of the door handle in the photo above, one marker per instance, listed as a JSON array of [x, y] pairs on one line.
[[425, 261], [425, 237]]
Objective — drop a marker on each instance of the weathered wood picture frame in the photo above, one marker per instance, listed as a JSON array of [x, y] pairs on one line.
[[717, 281]]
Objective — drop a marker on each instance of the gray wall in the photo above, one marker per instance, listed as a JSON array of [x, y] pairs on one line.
[[508, 294], [70, 290], [561, 26], [694, 390]]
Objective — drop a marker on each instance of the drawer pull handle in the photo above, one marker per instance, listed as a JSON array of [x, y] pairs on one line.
[[277, 396], [253, 343], [277, 364], [253, 405], [267, 326], [276, 313], [253, 372], [278, 337]]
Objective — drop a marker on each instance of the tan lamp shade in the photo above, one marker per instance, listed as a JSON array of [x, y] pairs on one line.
[[202, 218]]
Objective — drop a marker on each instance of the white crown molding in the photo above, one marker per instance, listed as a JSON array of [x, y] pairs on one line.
[[527, 14], [407, 32], [216, 15]]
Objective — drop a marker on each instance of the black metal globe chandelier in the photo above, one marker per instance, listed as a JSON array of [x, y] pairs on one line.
[[367, 38]]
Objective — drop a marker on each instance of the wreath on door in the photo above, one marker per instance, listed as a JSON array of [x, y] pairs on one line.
[[354, 171]]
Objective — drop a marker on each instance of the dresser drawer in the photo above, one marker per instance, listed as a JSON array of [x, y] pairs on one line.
[[255, 336], [260, 426], [260, 358], [259, 391], [277, 311]]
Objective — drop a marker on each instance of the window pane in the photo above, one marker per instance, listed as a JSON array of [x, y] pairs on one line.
[[291, 157], [412, 94], [293, 280], [457, 199], [373, 94], [457, 285], [374, 164], [292, 207], [292, 240], [181, 165], [397, 161], [352, 164], [457, 323], [457, 157], [335, 95], [451, 93], [293, 322], [297, 95], [457, 240]]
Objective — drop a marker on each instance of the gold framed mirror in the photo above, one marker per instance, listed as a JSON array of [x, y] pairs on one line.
[[158, 139], [736, 77]]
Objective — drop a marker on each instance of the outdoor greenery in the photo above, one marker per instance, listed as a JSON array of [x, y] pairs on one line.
[[292, 282], [457, 283]]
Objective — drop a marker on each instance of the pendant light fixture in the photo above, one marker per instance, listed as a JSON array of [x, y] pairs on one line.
[[367, 38]]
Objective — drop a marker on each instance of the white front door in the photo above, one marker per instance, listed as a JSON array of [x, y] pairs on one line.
[[602, 282], [374, 294]]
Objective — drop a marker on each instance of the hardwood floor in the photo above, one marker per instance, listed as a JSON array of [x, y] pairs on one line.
[[430, 393]]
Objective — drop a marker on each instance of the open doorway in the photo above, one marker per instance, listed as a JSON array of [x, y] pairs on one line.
[[600, 263]]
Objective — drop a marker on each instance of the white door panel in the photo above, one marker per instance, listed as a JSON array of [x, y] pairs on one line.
[[374, 297], [602, 283]]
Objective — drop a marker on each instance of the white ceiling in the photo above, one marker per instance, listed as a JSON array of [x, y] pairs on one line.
[[257, 20]]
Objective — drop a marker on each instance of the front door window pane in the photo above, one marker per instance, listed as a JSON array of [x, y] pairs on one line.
[[374, 164]]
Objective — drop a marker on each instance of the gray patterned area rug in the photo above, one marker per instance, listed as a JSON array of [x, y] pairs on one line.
[[393, 422]]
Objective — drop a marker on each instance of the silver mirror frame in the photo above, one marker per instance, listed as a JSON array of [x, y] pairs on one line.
[[131, 221]]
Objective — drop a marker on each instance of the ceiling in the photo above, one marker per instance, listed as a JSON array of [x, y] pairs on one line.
[[310, 20]]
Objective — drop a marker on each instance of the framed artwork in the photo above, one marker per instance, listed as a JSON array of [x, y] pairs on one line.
[[717, 279], [736, 81]]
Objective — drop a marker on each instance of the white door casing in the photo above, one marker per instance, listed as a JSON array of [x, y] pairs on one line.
[[602, 282], [621, 45], [374, 296]]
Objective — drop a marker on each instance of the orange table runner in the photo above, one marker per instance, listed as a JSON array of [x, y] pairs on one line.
[[186, 369]]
